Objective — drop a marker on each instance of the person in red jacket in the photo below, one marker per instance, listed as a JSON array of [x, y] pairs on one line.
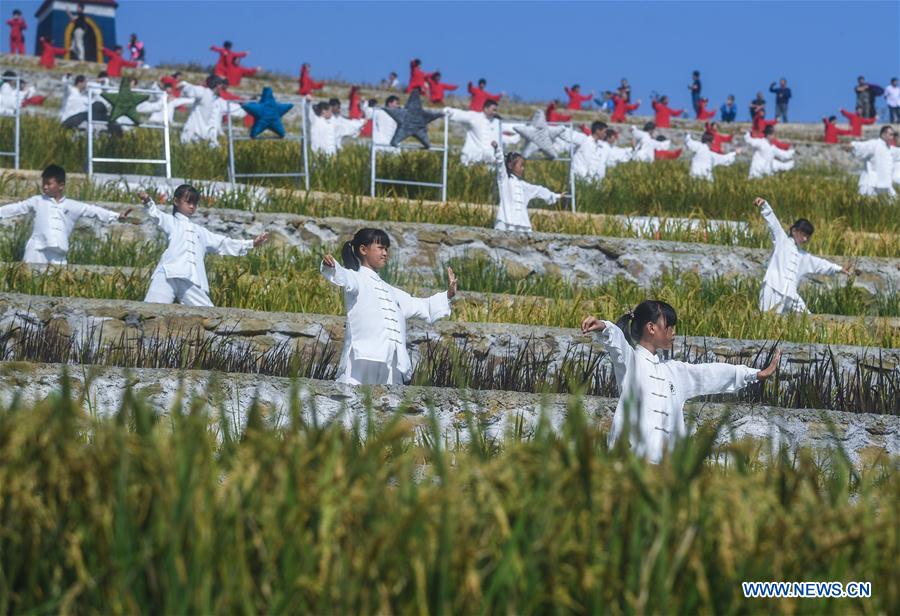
[[554, 116], [116, 61], [17, 26], [417, 76], [576, 98], [172, 80], [225, 95], [236, 72], [480, 96], [307, 84], [225, 58], [704, 114], [856, 121], [354, 108], [718, 138], [621, 107], [760, 123], [664, 113], [49, 53], [436, 89], [832, 132]]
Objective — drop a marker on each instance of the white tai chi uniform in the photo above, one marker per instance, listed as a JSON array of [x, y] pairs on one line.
[[646, 146], [346, 128], [480, 132], [617, 155], [768, 159], [375, 335], [515, 195], [11, 99], [205, 121], [879, 158], [705, 159], [323, 133], [181, 273], [383, 129], [155, 108], [653, 392], [787, 266], [75, 101], [53, 224], [590, 157]]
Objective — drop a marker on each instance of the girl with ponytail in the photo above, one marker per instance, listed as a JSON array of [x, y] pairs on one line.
[[516, 193], [375, 335], [653, 390]]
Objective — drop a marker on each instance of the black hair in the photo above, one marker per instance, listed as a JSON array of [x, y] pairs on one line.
[[661, 138], [509, 159], [633, 323], [363, 237], [576, 86], [9, 75], [54, 172], [803, 226], [768, 130], [319, 107], [373, 102], [390, 99], [334, 102], [490, 103], [185, 192], [117, 48], [649, 126], [885, 129], [227, 44], [416, 62], [79, 79], [597, 125], [483, 81], [102, 75], [214, 81], [17, 12], [832, 118], [707, 137], [697, 73]]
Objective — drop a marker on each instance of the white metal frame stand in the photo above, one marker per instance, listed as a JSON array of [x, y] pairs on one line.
[[303, 173], [374, 179], [167, 148], [17, 130], [571, 174]]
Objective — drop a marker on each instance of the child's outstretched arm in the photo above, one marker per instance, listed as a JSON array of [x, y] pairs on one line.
[[720, 378], [613, 340], [776, 231], [222, 245], [338, 275], [20, 208], [102, 214]]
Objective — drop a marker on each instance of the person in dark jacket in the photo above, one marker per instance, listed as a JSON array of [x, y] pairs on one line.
[[782, 97]]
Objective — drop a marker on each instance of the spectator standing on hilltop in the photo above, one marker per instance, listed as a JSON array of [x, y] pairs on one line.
[[892, 97], [695, 89], [758, 105], [17, 27], [782, 97], [728, 110], [391, 82], [136, 47], [863, 97]]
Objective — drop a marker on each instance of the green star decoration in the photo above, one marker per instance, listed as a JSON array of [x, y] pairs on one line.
[[125, 102]]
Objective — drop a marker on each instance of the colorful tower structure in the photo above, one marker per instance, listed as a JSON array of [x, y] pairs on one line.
[[86, 27]]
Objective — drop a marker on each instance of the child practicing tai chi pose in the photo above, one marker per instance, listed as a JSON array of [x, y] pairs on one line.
[[54, 218], [516, 193], [181, 273], [789, 264], [652, 389], [375, 335]]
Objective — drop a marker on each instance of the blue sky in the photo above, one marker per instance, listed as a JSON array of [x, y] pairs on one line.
[[533, 49]]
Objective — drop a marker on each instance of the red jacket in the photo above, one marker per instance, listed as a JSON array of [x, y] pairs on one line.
[[621, 108], [417, 78], [168, 80], [436, 90], [116, 62], [664, 114], [355, 110], [856, 122], [782, 145], [759, 124], [307, 85], [553, 116], [666, 154], [225, 58], [832, 132], [576, 99], [480, 97], [16, 26], [49, 53], [236, 72], [703, 113], [718, 140]]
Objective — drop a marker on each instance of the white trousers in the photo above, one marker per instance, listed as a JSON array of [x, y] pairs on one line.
[[502, 225], [366, 372], [78, 43], [782, 165], [772, 300], [44, 256], [169, 290]]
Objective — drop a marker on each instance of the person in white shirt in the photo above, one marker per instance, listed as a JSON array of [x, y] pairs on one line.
[[323, 130], [705, 159], [11, 97], [646, 143], [343, 127], [165, 100], [181, 273], [374, 350], [892, 98], [482, 129], [205, 121], [768, 158], [516, 193], [616, 154], [653, 389], [74, 105], [591, 153], [54, 218], [789, 264], [879, 156], [383, 125]]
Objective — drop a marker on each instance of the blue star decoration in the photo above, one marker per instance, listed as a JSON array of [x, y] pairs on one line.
[[266, 114], [412, 120], [124, 103]]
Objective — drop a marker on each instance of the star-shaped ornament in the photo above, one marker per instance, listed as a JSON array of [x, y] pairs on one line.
[[125, 102], [266, 114], [539, 136], [412, 120]]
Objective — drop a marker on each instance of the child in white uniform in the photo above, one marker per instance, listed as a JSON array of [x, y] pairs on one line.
[[54, 218], [705, 159], [516, 193], [789, 264], [655, 389], [375, 335], [181, 273]]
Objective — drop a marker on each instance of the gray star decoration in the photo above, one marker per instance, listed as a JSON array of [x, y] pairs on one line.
[[539, 136], [412, 120]]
